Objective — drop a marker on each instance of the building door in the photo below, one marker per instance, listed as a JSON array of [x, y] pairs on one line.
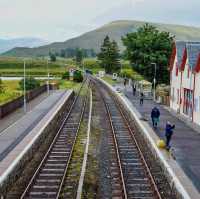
[[188, 102]]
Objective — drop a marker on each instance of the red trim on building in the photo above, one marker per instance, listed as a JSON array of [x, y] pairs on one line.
[[197, 67], [172, 58], [184, 59], [194, 86], [181, 90]]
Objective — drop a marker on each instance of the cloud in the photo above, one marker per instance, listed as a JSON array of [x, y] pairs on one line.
[[62, 19]]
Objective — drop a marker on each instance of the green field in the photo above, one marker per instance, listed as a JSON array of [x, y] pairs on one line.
[[67, 84], [34, 67], [11, 92], [109, 80], [12, 89]]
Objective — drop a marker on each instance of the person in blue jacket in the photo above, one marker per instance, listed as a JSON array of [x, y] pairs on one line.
[[168, 133], [155, 115]]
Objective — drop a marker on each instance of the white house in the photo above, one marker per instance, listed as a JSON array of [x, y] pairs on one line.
[[185, 79]]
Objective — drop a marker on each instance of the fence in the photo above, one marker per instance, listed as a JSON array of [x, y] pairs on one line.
[[11, 106], [165, 100]]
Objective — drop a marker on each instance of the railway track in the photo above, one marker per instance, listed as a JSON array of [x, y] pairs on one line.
[[48, 179], [131, 176]]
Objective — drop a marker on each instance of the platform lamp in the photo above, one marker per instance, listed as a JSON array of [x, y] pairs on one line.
[[24, 86], [154, 81], [48, 76]]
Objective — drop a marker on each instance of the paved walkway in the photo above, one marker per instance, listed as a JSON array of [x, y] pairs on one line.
[[11, 136], [185, 141], [16, 115]]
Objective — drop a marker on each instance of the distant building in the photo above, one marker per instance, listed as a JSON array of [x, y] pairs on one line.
[[71, 71], [185, 79]]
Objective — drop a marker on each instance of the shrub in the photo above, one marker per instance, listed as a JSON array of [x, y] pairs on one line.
[[78, 77], [65, 75], [2, 87], [31, 83]]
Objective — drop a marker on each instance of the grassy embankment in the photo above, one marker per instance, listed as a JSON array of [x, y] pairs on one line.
[[34, 67], [38, 67], [12, 89], [11, 92]]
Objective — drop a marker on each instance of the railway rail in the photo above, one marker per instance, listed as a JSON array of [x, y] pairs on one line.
[[48, 179], [133, 175], [130, 175]]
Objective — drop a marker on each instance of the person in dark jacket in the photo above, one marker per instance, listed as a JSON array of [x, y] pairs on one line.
[[168, 133], [155, 115], [141, 98], [125, 82], [134, 89]]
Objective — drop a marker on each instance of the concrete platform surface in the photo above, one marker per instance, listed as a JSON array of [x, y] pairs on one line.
[[185, 141], [12, 135], [11, 118]]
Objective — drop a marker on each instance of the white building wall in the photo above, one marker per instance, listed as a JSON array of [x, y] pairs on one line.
[[196, 114], [187, 83], [175, 88]]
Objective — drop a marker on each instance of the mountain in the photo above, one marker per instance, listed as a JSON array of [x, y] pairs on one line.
[[115, 30], [8, 44]]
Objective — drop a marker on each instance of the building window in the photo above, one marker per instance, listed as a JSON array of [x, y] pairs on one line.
[[172, 94], [176, 71], [188, 102], [177, 96], [188, 72], [196, 104]]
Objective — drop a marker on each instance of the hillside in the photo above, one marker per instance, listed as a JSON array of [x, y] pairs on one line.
[[115, 30], [8, 44]]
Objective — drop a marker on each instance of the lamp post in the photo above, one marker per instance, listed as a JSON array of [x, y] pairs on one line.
[[48, 76], [154, 81], [24, 86]]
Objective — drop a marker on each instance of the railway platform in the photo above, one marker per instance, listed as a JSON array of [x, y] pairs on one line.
[[18, 137], [183, 162], [11, 118], [185, 141]]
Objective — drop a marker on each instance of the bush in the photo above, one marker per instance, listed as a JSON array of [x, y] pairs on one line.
[[78, 77], [2, 87], [52, 57], [130, 73], [65, 75], [31, 83]]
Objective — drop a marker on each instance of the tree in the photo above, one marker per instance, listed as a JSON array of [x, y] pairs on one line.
[[62, 53], [147, 46], [109, 55], [79, 56], [30, 83], [78, 77], [52, 57], [66, 75]]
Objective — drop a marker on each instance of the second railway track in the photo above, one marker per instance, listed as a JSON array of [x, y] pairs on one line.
[[133, 178]]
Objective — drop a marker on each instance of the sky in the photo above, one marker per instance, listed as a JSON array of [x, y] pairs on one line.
[[59, 20]]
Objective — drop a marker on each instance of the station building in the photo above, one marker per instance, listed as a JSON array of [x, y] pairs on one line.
[[185, 80]]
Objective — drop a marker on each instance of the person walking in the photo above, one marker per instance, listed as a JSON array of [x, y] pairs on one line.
[[141, 98], [155, 115], [168, 134], [133, 88], [125, 82]]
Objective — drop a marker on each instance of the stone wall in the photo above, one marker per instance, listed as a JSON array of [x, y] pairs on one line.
[[11, 106]]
